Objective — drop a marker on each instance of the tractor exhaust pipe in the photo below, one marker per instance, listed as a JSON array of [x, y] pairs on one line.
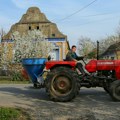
[[97, 50]]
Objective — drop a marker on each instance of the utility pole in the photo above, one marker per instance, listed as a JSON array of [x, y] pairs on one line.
[[97, 50]]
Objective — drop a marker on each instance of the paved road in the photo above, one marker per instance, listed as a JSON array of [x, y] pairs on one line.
[[91, 104]]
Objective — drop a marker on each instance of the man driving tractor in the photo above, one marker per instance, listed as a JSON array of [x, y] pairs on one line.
[[72, 56], [62, 83]]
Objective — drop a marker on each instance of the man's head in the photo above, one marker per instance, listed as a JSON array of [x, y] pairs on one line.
[[73, 48]]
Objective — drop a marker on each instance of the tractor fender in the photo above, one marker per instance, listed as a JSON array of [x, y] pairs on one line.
[[53, 64]]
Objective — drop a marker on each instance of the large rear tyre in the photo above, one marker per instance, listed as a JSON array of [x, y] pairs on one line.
[[115, 90], [62, 84]]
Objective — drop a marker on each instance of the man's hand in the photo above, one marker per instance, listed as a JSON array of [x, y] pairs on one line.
[[80, 58], [75, 60], [85, 55]]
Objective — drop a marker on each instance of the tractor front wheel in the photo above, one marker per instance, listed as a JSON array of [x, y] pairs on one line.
[[62, 84], [115, 90]]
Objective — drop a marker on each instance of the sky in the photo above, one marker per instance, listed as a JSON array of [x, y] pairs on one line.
[[97, 21]]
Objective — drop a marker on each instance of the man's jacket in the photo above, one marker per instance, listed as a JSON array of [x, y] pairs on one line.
[[72, 55]]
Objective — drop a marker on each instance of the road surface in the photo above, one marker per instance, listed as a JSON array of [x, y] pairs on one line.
[[91, 104]]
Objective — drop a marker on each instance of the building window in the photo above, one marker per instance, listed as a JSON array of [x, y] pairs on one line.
[[29, 27], [38, 28], [53, 35]]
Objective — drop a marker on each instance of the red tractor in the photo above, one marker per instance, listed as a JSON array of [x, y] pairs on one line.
[[63, 82]]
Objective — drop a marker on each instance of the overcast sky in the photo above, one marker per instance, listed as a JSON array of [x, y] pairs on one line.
[[96, 21]]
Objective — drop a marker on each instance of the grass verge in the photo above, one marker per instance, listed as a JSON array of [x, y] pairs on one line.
[[13, 114], [13, 82]]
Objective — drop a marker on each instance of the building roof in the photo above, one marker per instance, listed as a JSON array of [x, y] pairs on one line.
[[112, 48], [33, 15]]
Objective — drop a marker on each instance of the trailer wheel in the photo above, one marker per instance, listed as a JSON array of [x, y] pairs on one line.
[[115, 90], [62, 84], [35, 85]]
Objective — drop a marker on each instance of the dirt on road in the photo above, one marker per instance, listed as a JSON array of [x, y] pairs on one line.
[[91, 104]]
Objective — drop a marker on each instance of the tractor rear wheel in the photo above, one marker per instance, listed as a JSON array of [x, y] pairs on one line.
[[115, 90], [106, 89], [62, 84]]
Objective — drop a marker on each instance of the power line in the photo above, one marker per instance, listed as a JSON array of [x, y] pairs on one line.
[[94, 15], [106, 19], [97, 15], [78, 11]]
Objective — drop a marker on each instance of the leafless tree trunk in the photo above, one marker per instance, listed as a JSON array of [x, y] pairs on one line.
[[2, 33]]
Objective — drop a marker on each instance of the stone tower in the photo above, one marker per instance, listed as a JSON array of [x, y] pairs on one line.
[[35, 19]]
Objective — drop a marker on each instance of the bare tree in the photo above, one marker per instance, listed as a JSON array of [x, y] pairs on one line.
[[2, 33], [118, 32], [110, 40], [85, 45], [106, 42]]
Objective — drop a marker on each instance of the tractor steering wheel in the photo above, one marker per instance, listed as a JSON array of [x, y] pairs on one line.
[[82, 58], [84, 61], [49, 58]]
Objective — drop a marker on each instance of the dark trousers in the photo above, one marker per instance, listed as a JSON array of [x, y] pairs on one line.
[[80, 68]]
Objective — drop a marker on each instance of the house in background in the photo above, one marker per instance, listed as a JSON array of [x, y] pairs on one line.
[[35, 19], [113, 52]]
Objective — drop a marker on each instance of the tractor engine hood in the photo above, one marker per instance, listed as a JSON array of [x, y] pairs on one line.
[[99, 65]]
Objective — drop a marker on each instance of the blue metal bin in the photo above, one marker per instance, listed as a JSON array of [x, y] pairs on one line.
[[34, 67]]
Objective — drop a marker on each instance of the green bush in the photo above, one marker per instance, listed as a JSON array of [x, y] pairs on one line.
[[17, 76]]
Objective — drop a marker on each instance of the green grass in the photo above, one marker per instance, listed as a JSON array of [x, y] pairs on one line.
[[12, 114], [7, 81]]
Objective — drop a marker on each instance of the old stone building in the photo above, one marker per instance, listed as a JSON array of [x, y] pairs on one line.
[[35, 19]]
